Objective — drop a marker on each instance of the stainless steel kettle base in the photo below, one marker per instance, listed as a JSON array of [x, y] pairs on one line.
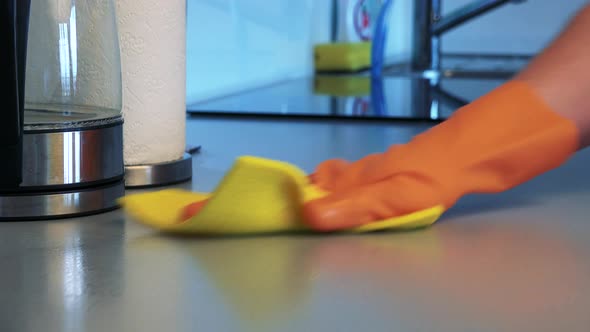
[[57, 205], [163, 174]]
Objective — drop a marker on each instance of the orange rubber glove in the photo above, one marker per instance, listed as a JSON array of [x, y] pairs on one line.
[[499, 141]]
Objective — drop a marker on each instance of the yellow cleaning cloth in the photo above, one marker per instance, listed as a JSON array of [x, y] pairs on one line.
[[256, 196]]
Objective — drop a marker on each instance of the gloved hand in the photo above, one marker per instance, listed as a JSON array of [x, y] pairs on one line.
[[499, 141]]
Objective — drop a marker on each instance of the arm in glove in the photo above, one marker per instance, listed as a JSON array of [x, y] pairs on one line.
[[524, 128]]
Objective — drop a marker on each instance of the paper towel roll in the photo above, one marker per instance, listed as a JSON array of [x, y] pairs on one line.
[[153, 47]]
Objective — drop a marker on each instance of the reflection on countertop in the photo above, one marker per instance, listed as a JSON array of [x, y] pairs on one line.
[[400, 97], [457, 278]]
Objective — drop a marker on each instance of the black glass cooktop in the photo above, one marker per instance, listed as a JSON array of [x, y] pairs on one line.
[[409, 97]]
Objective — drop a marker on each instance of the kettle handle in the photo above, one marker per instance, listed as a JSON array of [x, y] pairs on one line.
[[14, 21], [23, 11]]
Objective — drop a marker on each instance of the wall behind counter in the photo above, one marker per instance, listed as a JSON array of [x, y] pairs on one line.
[[237, 45]]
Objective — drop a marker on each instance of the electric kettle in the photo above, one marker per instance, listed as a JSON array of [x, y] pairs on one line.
[[61, 138]]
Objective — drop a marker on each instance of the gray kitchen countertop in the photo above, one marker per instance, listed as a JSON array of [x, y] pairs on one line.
[[517, 261]]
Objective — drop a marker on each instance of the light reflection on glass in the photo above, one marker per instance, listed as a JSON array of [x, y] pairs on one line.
[[68, 56], [64, 59], [74, 46]]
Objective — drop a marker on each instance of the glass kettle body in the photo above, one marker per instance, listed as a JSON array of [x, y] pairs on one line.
[[73, 67]]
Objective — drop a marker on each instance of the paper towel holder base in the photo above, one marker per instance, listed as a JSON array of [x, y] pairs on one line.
[[160, 174]]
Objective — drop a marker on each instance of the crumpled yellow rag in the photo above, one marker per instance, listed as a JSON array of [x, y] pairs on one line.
[[256, 196]]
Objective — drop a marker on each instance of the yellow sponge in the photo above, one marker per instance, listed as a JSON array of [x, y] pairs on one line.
[[256, 196], [347, 57]]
